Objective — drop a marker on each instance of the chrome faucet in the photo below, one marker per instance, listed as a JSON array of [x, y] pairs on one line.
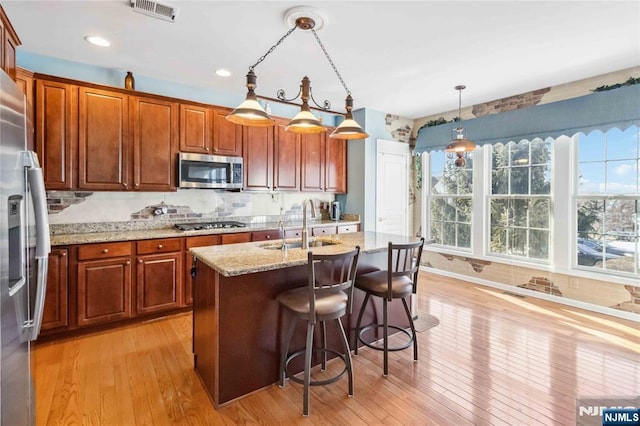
[[305, 240], [281, 227]]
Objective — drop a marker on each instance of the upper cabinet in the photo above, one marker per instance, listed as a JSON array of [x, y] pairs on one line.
[[25, 81], [154, 127], [104, 149], [335, 172], [286, 160], [313, 161], [257, 157], [8, 44], [204, 130], [227, 136], [57, 132]]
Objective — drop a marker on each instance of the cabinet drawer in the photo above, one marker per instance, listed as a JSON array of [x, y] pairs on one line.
[[344, 229], [159, 246], [240, 237], [202, 241], [293, 233], [324, 230], [272, 234], [104, 250]]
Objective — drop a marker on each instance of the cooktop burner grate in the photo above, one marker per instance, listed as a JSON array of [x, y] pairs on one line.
[[209, 225]]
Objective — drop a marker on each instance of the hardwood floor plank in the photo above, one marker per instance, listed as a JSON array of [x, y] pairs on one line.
[[494, 359]]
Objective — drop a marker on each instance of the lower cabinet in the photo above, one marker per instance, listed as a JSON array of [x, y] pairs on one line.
[[104, 291], [158, 282], [56, 306], [190, 242]]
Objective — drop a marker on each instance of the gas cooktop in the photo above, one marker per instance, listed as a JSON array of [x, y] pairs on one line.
[[209, 225]]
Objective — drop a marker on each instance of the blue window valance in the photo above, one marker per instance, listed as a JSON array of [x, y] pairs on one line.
[[597, 111]]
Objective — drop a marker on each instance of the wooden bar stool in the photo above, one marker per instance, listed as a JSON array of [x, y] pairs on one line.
[[399, 281], [328, 296]]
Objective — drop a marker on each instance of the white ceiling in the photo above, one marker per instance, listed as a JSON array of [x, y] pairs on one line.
[[399, 57]]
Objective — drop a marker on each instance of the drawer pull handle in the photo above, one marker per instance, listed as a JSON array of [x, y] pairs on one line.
[[128, 262], [268, 237], [63, 254], [140, 261], [105, 251], [159, 246]]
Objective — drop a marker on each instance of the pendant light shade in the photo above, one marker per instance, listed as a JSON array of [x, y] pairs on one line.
[[250, 112], [305, 122], [349, 128]]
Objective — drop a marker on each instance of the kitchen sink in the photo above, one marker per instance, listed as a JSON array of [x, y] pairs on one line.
[[298, 244]]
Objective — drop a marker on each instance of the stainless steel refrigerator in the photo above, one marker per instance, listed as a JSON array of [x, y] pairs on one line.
[[24, 251]]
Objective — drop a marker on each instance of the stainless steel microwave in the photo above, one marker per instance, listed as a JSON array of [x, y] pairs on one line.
[[209, 171]]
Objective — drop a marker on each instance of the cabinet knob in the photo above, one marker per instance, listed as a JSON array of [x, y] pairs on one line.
[[125, 185], [140, 261], [268, 237], [105, 251], [128, 262], [159, 246], [63, 254], [136, 185], [207, 149]]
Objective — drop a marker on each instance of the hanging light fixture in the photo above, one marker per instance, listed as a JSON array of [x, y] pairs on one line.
[[251, 113], [459, 145]]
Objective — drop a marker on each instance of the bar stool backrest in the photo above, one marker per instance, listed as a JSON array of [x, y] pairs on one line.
[[404, 260]]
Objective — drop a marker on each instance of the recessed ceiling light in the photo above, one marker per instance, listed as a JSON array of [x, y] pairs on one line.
[[98, 41], [223, 73]]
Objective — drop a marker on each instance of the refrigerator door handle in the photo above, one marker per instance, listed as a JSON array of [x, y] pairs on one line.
[[35, 179]]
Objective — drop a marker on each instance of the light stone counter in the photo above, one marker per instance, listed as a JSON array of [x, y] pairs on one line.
[[172, 232], [246, 258]]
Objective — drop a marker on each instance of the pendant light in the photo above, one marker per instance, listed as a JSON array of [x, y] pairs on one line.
[[251, 113], [459, 145]]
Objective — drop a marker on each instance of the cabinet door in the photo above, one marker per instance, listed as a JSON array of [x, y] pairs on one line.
[[312, 162], [103, 140], [56, 132], [56, 303], [227, 136], [25, 81], [104, 291], [196, 129], [335, 175], [154, 126], [258, 158], [10, 46], [200, 241], [286, 165], [159, 282]]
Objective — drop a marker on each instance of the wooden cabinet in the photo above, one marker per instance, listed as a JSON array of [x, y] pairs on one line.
[[196, 131], [158, 275], [270, 234], [323, 230], [312, 162], [335, 173], [154, 125], [103, 283], [25, 81], [8, 44], [227, 136], [286, 160], [104, 149], [240, 237], [199, 241], [56, 132], [258, 158], [204, 130], [56, 312]]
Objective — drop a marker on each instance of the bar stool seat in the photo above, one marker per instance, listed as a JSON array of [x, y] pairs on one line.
[[327, 296]]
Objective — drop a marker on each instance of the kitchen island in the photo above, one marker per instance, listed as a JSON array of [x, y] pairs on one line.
[[237, 322]]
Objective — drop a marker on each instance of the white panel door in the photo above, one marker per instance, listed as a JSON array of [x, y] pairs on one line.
[[392, 197]]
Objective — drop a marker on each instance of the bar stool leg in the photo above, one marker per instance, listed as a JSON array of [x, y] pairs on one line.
[[285, 351], [307, 368], [347, 356], [385, 331], [324, 346], [357, 337], [413, 329]]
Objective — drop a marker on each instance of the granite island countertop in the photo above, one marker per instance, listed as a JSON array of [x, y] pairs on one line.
[[172, 232], [246, 258]]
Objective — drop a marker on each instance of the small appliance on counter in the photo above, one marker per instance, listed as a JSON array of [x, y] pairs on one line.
[[334, 211]]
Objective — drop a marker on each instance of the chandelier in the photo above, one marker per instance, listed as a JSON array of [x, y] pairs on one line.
[[459, 145], [251, 113]]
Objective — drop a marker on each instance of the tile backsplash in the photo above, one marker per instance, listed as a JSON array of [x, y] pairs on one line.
[[68, 207]]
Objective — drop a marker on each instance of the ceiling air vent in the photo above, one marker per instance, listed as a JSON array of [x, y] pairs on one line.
[[156, 9]]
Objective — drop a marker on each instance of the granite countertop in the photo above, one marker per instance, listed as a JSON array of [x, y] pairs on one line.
[[172, 232], [246, 258]]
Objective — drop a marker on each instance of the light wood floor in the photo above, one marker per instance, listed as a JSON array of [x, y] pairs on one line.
[[494, 359]]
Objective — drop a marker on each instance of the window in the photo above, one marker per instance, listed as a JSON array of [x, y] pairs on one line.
[[608, 201], [450, 192], [520, 200]]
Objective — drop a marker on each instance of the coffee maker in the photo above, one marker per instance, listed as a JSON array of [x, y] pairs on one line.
[[334, 211]]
